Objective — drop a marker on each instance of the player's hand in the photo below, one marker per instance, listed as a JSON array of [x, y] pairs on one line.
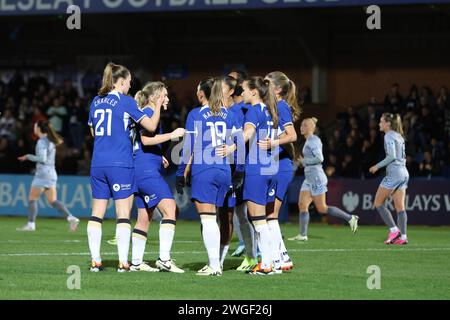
[[238, 180], [267, 144], [177, 133], [22, 158], [225, 150], [160, 101], [373, 170], [180, 184], [166, 163]]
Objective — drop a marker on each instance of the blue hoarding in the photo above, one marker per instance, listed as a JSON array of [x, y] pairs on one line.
[[75, 192], [32, 7]]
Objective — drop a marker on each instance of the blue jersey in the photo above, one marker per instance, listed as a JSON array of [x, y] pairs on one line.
[[260, 161], [238, 112], [285, 119], [147, 159], [205, 132], [110, 118]]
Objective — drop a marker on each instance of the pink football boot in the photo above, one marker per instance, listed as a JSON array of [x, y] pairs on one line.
[[392, 237], [401, 242]]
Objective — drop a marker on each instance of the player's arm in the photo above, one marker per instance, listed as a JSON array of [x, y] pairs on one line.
[[148, 140], [151, 124], [40, 156]]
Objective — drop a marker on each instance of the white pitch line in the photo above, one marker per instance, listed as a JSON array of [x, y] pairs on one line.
[[82, 241], [204, 252]]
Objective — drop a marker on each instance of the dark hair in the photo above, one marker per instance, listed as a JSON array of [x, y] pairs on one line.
[[112, 73], [47, 128], [288, 91], [241, 77], [266, 93], [230, 82]]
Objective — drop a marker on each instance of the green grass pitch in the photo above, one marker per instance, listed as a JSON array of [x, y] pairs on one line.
[[332, 265]]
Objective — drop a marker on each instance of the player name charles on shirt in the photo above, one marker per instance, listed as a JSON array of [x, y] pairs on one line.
[[106, 100]]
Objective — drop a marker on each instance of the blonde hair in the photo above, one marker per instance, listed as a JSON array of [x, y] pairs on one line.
[[112, 73], [151, 88], [216, 98], [288, 91], [395, 121]]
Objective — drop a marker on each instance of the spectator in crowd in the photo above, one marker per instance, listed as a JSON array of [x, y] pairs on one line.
[[350, 168], [412, 100], [77, 124], [8, 126], [428, 168], [442, 98], [393, 100], [57, 114], [305, 96]]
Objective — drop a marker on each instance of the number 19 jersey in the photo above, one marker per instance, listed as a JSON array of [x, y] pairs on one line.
[[207, 131]]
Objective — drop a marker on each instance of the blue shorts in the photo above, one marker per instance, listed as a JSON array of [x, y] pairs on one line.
[[112, 182], [396, 180], [151, 191], [282, 181], [211, 186], [259, 189], [316, 184]]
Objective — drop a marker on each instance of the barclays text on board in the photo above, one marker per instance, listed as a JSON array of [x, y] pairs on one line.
[[31, 7]]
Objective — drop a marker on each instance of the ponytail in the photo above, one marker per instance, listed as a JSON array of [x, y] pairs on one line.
[[270, 100], [112, 73], [397, 124], [395, 120], [266, 93], [291, 99], [288, 91], [141, 99], [216, 98], [52, 135]]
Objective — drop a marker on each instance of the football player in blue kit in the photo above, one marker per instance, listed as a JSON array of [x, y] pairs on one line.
[[154, 192], [112, 168], [261, 122], [288, 112], [208, 128]]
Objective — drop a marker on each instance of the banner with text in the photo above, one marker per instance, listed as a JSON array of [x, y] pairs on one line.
[[427, 201], [33, 7]]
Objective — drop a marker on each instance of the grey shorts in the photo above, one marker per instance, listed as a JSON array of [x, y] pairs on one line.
[[316, 184], [395, 180], [45, 178]]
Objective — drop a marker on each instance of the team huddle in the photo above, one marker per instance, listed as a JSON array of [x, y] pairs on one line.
[[237, 157]]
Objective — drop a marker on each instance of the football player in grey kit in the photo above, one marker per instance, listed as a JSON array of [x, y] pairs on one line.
[[396, 180], [45, 177], [314, 187]]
